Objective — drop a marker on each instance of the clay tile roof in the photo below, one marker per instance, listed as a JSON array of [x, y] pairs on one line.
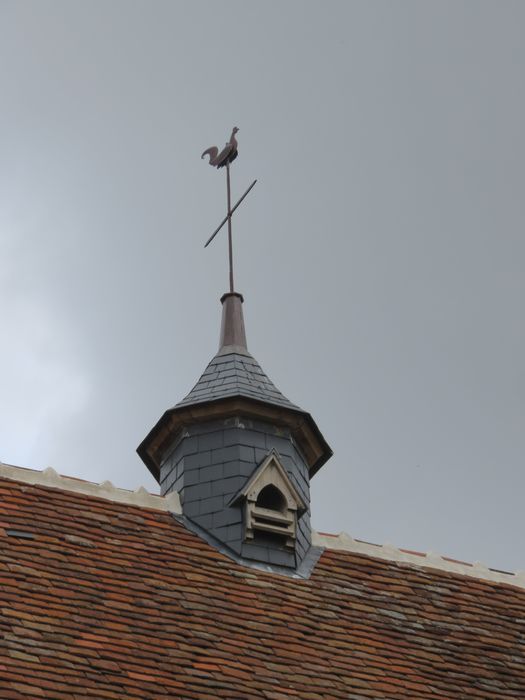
[[103, 599]]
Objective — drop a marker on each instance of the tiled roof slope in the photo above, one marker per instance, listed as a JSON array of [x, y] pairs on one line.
[[235, 374], [101, 599]]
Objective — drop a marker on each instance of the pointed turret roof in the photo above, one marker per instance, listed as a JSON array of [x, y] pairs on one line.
[[235, 382], [233, 371], [235, 374]]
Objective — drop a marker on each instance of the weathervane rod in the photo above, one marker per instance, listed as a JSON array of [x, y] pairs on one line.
[[230, 242]]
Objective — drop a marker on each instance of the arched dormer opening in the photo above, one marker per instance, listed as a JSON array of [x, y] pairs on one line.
[[272, 499]]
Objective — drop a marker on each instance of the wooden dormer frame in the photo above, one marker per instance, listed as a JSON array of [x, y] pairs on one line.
[[281, 522]]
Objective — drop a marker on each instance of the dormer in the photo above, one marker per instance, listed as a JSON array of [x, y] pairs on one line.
[[271, 504]]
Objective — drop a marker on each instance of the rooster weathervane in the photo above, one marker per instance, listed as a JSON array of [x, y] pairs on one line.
[[220, 160]]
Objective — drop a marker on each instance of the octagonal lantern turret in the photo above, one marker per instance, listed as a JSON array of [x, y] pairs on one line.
[[209, 445]]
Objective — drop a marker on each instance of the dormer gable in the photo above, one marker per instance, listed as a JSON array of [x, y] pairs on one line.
[[272, 504]]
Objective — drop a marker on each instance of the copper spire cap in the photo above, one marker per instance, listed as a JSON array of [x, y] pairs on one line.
[[233, 334]]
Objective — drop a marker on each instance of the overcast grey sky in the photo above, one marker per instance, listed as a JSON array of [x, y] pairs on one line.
[[381, 253]]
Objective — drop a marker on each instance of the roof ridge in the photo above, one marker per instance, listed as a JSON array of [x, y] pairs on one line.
[[49, 477], [341, 542], [431, 560]]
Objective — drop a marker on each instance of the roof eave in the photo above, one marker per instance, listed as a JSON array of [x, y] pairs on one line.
[[303, 427]]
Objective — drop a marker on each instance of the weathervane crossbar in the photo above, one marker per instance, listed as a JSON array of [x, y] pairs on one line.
[[210, 239]]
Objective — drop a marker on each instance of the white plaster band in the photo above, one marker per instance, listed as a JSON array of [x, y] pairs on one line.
[[106, 490]]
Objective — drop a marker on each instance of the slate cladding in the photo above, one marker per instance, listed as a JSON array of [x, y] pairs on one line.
[[236, 374], [213, 461], [109, 601]]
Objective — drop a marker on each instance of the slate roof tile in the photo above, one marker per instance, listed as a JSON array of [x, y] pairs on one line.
[[235, 374], [110, 600]]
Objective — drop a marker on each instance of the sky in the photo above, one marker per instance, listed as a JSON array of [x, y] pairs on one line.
[[380, 254]]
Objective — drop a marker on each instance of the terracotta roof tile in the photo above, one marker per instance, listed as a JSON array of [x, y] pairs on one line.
[[112, 600]]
